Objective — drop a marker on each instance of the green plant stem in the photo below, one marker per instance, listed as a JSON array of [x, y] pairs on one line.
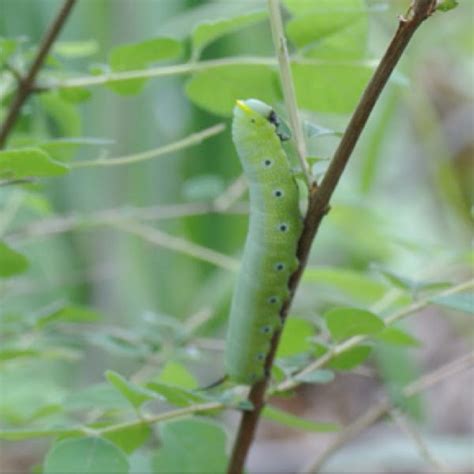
[[189, 141], [178, 244], [189, 68], [27, 84], [60, 224], [319, 198], [425, 452], [289, 93]]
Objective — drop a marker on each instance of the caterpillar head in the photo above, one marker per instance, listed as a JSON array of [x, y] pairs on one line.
[[261, 114]]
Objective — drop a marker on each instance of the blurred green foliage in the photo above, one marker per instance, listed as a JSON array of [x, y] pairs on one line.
[[100, 326]]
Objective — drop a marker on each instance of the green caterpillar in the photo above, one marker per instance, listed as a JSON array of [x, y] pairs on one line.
[[269, 254]]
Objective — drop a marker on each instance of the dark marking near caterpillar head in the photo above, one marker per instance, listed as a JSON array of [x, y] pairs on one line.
[[267, 163], [283, 135], [283, 227], [260, 356], [278, 193], [273, 299], [279, 266], [252, 120]]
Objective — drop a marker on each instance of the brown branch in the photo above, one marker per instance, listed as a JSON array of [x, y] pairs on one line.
[[27, 84], [318, 207]]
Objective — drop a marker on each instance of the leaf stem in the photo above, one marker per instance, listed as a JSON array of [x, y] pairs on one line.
[[289, 93], [191, 140], [189, 68]]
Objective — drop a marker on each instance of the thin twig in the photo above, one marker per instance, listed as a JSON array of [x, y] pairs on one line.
[[60, 224], [26, 85], [289, 93], [231, 194], [406, 426], [380, 409], [178, 244], [319, 198], [190, 140], [193, 67]]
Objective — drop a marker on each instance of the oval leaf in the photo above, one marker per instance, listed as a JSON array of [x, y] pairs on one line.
[[85, 455], [135, 394], [347, 322], [190, 446], [11, 262], [293, 421], [351, 358], [135, 56], [27, 162], [217, 89]]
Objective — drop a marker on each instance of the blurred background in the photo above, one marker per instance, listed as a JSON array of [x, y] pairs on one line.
[[402, 211]]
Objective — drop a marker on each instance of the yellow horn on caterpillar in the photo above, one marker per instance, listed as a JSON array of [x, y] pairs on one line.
[[243, 106]]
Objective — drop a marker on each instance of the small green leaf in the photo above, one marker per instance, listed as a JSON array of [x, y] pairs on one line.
[[447, 5], [76, 49], [62, 149], [333, 29], [175, 395], [71, 314], [216, 89], [357, 286], [135, 56], [347, 322], [130, 438], [174, 373], [460, 302], [336, 88], [317, 376], [27, 162], [99, 396], [135, 394], [11, 262], [190, 446], [207, 32], [351, 358], [15, 353], [311, 130], [410, 284], [296, 337], [75, 94], [397, 337], [287, 419], [65, 115], [85, 456], [7, 48], [398, 368], [203, 187]]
